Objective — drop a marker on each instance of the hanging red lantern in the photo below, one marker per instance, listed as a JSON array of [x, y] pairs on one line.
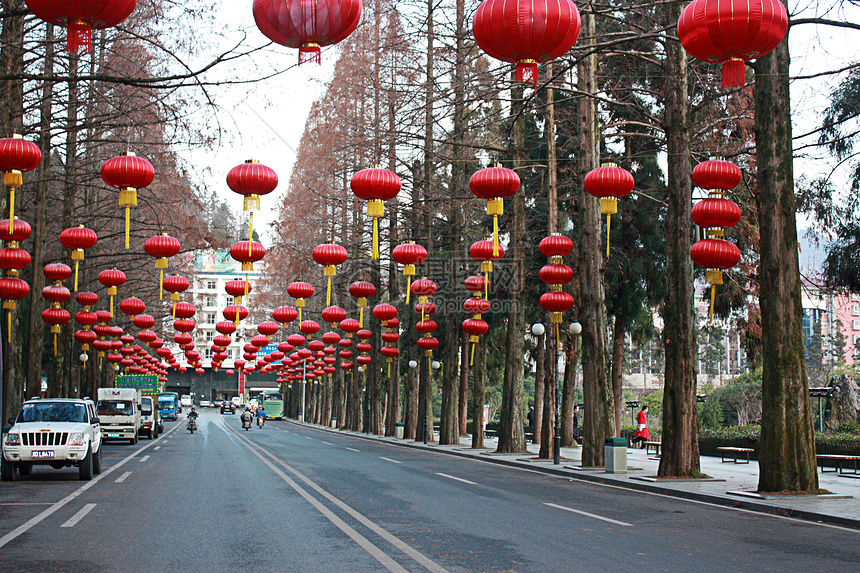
[[409, 254], [731, 32], [235, 312], [144, 321], [14, 234], [268, 328], [222, 340], [56, 293], [296, 340], [476, 305], [375, 185], [556, 245], [112, 278], [715, 255], [252, 179], [608, 182], [716, 212], [526, 32], [494, 184], [556, 303], [247, 253], [484, 251], [161, 247], [284, 315], [132, 306], [78, 239], [85, 318], [14, 259], [329, 255], [300, 291], [81, 17], [350, 326], [428, 344], [146, 336], [230, 373], [176, 285], [316, 346], [309, 327], [184, 324], [556, 274], [56, 317], [87, 299], [384, 313], [225, 327], [362, 290], [260, 341], [307, 24], [333, 315], [183, 310], [17, 155], [128, 173], [331, 338]]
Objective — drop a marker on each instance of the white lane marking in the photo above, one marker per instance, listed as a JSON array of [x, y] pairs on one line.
[[586, 514], [144, 458], [384, 559], [326, 443], [390, 460], [308, 438], [156, 448], [34, 503], [353, 450], [73, 521], [32, 522], [121, 478], [456, 478]]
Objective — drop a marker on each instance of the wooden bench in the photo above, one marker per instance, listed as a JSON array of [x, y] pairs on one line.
[[653, 446], [838, 461], [735, 453]]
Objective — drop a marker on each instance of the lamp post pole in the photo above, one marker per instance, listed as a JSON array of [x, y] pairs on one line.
[[423, 391]]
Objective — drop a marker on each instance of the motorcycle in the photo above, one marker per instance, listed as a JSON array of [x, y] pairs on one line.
[[260, 421], [246, 422], [192, 424]]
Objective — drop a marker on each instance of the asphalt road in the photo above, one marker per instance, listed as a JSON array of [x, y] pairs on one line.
[[292, 498]]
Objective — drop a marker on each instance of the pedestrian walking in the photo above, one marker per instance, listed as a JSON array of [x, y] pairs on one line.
[[641, 435]]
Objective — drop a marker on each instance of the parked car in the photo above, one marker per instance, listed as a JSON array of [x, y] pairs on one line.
[[228, 407], [56, 432]]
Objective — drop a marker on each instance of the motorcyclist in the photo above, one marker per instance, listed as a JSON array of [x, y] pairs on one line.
[[261, 417], [192, 419], [246, 417]]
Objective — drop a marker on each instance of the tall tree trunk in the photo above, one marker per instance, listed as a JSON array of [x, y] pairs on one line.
[[787, 458], [464, 386], [680, 455], [549, 385], [40, 207], [568, 393], [597, 394], [478, 394], [618, 334], [511, 432], [410, 407]]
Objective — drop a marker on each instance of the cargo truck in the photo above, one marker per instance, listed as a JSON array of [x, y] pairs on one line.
[[119, 413]]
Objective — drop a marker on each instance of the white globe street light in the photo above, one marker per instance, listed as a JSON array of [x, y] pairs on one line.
[[538, 329], [413, 364], [575, 328], [436, 365]]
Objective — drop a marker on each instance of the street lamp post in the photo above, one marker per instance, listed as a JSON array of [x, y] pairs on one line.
[[414, 364], [575, 329]]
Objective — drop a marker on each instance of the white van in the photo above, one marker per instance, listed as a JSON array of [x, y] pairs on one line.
[[186, 401]]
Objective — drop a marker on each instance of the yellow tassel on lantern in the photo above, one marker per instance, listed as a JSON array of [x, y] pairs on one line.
[[329, 271], [251, 226], [77, 256], [375, 209], [713, 277], [608, 207], [128, 199], [495, 207], [8, 319], [11, 208]]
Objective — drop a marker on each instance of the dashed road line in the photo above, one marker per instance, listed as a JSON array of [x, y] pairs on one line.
[[121, 478], [156, 448], [73, 521], [390, 460], [144, 458], [353, 450], [586, 514], [456, 478], [327, 443]]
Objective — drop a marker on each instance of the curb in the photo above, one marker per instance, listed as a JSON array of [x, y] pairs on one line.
[[725, 501]]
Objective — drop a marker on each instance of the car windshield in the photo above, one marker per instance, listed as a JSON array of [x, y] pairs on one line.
[[166, 404], [146, 406], [115, 408], [53, 412]]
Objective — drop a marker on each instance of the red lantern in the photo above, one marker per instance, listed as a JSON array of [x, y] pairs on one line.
[[14, 233], [556, 245], [731, 32], [81, 17], [183, 310], [384, 312], [112, 278], [716, 212], [128, 173], [146, 336], [375, 185], [409, 254], [390, 337], [247, 253], [333, 315], [161, 247], [485, 252], [85, 318], [329, 255], [17, 155], [260, 341], [143, 321], [14, 259], [715, 255], [307, 24], [56, 317], [78, 239], [56, 293], [474, 328], [300, 291], [284, 315], [526, 32], [251, 179], [87, 299], [556, 274], [494, 184], [235, 312], [350, 326], [716, 215], [132, 306], [608, 182], [316, 346], [428, 344], [309, 327], [426, 326], [184, 324], [362, 290], [175, 285], [556, 303], [268, 328], [476, 305], [231, 372], [331, 338], [225, 327]]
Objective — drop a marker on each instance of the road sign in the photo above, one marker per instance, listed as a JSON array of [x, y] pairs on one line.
[[146, 383]]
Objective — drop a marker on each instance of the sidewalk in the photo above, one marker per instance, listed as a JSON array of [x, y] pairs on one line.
[[730, 485]]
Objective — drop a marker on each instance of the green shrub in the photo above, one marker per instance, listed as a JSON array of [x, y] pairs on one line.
[[849, 428]]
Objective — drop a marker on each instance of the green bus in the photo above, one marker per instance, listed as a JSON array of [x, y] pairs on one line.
[[272, 402]]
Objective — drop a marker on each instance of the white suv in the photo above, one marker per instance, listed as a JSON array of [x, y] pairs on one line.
[[55, 432]]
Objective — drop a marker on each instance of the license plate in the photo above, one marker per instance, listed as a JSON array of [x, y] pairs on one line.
[[113, 434], [43, 454]]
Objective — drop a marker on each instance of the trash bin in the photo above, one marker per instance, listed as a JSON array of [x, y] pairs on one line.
[[398, 431], [334, 422], [615, 455]]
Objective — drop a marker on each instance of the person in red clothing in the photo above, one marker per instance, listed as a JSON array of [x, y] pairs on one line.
[[641, 435]]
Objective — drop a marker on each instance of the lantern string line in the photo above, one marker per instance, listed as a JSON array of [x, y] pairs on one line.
[[127, 224], [11, 208], [713, 297], [608, 225], [250, 231]]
